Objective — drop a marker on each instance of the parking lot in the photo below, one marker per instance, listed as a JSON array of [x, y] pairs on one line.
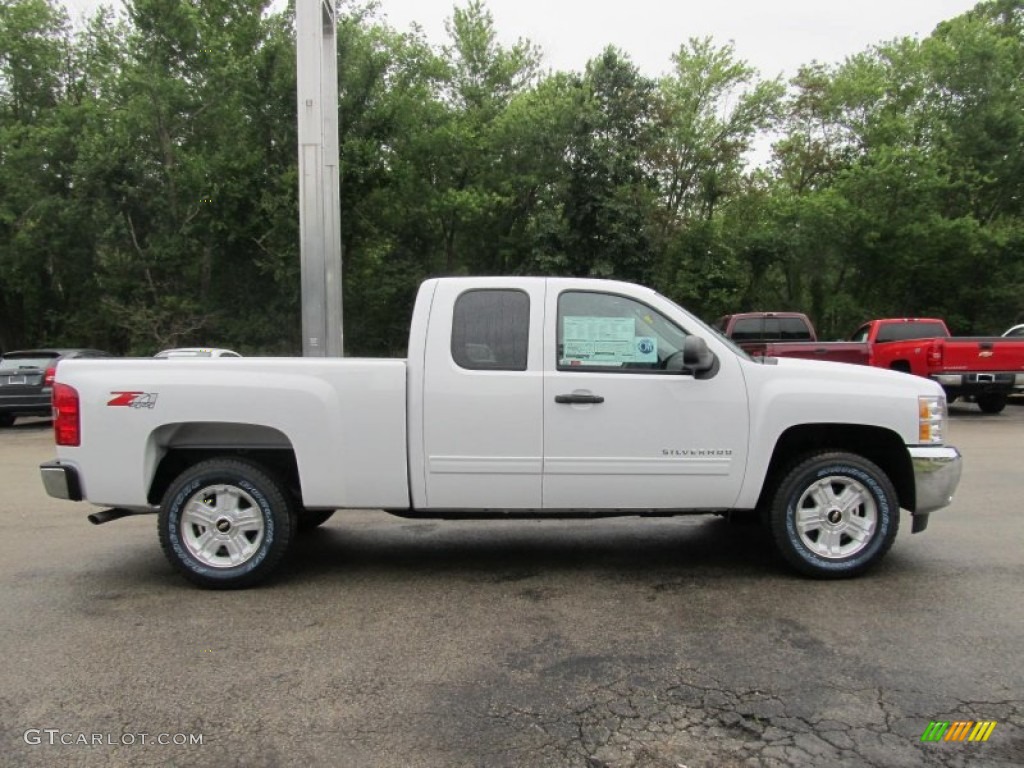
[[609, 644]]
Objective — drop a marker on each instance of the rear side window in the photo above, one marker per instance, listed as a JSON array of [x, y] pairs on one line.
[[491, 330], [861, 334]]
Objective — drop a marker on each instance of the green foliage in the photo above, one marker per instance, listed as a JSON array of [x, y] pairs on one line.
[[148, 182]]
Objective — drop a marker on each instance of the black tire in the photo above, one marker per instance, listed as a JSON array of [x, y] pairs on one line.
[[991, 403], [308, 519], [743, 518], [6, 420], [834, 515], [247, 514]]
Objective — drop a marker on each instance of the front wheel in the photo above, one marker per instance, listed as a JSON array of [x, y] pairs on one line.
[[225, 524], [834, 515]]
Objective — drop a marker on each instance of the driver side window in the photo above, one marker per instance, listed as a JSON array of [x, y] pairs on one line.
[[614, 333]]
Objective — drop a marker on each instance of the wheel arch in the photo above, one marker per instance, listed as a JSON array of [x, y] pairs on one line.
[[173, 448], [879, 445]]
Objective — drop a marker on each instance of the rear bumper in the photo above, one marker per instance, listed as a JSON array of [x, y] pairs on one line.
[[26, 404], [936, 475], [61, 481], [979, 383]]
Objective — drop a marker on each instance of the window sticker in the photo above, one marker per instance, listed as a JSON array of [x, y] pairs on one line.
[[646, 350], [605, 341]]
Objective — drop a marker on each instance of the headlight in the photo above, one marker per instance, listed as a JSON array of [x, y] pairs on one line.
[[931, 419]]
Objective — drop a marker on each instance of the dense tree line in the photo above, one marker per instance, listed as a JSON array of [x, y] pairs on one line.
[[148, 188]]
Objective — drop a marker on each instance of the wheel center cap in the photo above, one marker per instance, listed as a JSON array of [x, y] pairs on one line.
[[835, 516], [223, 525]]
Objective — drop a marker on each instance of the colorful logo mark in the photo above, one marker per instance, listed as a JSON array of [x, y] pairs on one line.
[[958, 730]]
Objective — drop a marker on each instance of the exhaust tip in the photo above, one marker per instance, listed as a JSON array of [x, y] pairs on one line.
[[106, 515]]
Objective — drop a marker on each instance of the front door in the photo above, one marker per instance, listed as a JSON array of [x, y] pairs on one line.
[[621, 431]]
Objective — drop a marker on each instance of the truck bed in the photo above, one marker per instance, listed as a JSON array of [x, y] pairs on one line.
[[834, 351], [344, 419]]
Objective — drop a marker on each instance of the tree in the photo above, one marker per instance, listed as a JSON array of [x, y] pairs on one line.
[[603, 200], [710, 109], [191, 136], [39, 239]]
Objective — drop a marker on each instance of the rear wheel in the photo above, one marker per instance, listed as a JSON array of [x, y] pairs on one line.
[[834, 515], [225, 524], [991, 403]]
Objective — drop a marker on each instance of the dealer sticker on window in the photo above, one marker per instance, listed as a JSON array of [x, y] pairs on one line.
[[605, 341]]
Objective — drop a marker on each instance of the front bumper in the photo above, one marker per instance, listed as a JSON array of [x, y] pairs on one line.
[[936, 475], [61, 481]]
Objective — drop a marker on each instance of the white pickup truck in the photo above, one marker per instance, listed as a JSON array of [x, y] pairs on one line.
[[541, 397]]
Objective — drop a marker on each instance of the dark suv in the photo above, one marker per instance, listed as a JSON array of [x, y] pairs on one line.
[[26, 380]]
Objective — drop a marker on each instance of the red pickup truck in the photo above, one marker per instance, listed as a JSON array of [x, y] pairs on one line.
[[984, 369], [788, 334]]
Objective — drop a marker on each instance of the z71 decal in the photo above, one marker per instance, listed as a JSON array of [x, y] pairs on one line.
[[133, 399]]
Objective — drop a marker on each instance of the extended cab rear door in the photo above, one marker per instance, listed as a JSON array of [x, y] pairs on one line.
[[621, 431], [482, 428]]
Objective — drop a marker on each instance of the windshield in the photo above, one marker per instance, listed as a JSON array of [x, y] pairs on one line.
[[712, 331]]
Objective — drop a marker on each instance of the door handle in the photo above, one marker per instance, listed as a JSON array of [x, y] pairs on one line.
[[579, 399]]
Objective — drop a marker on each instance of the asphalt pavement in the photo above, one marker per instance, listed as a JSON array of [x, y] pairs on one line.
[[625, 643]]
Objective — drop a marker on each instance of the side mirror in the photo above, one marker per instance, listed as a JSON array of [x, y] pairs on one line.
[[694, 357]]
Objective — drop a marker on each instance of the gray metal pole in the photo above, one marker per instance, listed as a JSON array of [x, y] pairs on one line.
[[316, 53]]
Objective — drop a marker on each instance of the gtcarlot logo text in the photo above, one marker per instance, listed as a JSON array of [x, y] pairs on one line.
[[54, 736]]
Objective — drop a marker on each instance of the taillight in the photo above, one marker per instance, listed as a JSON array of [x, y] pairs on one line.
[[934, 356], [49, 376], [67, 428]]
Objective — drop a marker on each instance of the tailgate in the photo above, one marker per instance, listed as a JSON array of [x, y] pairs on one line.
[[995, 354]]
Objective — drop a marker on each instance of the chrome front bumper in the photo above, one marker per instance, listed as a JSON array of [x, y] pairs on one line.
[[936, 475]]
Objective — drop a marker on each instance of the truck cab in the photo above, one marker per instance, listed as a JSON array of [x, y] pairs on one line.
[[568, 395]]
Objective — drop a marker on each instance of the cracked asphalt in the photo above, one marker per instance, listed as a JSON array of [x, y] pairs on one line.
[[623, 643]]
